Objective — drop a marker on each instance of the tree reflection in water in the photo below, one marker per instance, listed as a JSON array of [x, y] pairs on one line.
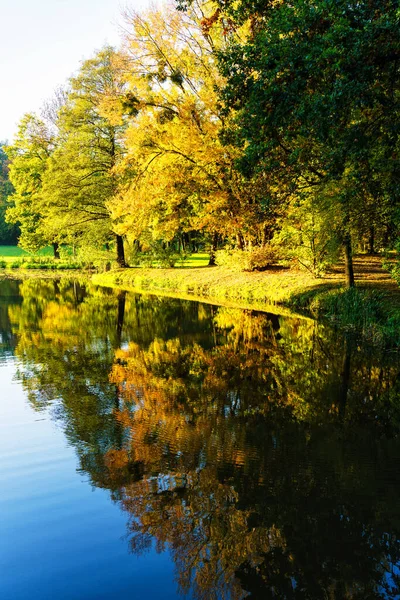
[[261, 451]]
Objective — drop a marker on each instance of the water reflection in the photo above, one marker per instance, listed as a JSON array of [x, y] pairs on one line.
[[261, 451]]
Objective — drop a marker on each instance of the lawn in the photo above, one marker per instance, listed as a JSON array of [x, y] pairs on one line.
[[11, 252], [197, 260], [13, 257]]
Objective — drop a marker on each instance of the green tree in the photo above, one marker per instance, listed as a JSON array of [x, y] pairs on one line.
[[315, 90], [8, 232], [29, 157], [81, 178]]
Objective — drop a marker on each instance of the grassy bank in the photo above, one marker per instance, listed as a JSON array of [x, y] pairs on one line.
[[217, 284], [15, 258], [372, 309]]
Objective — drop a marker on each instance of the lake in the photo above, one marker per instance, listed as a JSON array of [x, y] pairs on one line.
[[162, 448]]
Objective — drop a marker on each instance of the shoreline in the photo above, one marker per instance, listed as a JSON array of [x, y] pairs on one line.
[[371, 310], [215, 285]]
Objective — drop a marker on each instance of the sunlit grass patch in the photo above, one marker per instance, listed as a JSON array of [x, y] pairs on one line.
[[9, 253], [197, 260]]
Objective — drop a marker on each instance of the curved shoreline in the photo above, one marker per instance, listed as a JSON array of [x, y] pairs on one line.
[[371, 310], [217, 285]]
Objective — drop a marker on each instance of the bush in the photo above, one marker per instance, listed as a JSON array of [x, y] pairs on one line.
[[15, 264], [307, 233], [393, 266], [258, 258]]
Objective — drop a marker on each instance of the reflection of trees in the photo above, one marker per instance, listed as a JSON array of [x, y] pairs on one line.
[[261, 451], [9, 295], [253, 465], [66, 343]]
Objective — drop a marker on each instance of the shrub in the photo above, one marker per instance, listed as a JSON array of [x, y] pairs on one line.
[[307, 233], [258, 258], [393, 266], [92, 257]]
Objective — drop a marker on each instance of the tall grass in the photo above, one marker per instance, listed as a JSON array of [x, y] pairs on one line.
[[365, 312]]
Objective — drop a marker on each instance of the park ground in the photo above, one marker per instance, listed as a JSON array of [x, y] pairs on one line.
[[277, 285]]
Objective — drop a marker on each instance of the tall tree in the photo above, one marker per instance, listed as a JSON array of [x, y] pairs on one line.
[[81, 178], [29, 159]]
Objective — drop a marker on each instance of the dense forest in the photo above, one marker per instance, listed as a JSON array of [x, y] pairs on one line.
[[257, 130]]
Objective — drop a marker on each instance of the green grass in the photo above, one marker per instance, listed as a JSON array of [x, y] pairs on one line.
[[216, 284], [197, 260], [11, 252], [366, 312], [13, 257]]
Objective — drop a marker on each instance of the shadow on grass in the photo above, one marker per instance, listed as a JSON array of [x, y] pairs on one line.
[[304, 299]]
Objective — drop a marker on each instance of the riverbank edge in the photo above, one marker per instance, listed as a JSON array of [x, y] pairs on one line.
[[367, 310], [216, 285]]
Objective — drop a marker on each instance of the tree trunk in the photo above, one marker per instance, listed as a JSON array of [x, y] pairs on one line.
[[55, 250], [214, 247], [266, 236], [371, 240], [120, 252], [348, 261], [239, 241], [386, 236], [120, 316]]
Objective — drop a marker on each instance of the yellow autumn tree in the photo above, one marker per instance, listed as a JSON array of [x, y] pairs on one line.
[[182, 176]]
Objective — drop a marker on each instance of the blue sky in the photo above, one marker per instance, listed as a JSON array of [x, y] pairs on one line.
[[42, 43]]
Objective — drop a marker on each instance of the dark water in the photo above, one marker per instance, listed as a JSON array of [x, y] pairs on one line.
[[157, 448]]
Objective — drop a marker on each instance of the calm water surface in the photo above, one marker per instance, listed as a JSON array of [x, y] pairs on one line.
[[157, 448]]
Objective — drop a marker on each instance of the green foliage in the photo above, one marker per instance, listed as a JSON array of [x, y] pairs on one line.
[[236, 123], [95, 257], [307, 235], [40, 263], [365, 312], [257, 258], [81, 177], [315, 91], [29, 156], [393, 265]]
